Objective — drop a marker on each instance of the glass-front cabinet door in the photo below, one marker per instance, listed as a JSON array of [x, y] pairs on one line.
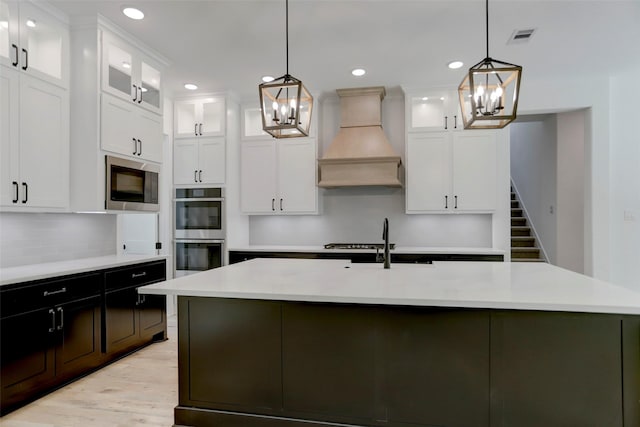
[[34, 42], [150, 86], [433, 110], [9, 51], [128, 74]]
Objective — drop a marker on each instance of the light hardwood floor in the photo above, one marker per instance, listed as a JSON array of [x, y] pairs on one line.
[[139, 390]]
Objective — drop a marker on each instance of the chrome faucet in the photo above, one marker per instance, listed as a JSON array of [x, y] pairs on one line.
[[385, 236]]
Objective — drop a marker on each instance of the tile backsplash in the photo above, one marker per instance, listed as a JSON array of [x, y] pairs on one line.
[[33, 238]]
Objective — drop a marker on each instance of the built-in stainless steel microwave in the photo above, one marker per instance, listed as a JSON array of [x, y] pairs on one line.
[[131, 185]]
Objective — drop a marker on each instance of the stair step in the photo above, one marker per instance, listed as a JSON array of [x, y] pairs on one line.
[[516, 212], [518, 222], [527, 260], [523, 242], [520, 231], [515, 204], [513, 196], [525, 253]]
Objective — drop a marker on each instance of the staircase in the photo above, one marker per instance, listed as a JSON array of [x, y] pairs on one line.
[[523, 244]]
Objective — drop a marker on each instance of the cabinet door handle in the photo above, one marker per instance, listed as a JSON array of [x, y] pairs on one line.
[[455, 199], [26, 59], [53, 320], [135, 97], [135, 146], [26, 192], [17, 188], [455, 122], [446, 122], [200, 175], [200, 129], [195, 129], [59, 291], [280, 204], [135, 276], [15, 48], [140, 142], [195, 176], [273, 204], [140, 91], [446, 202], [61, 325]]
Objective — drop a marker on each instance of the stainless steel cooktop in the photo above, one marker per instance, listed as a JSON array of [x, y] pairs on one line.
[[357, 246]]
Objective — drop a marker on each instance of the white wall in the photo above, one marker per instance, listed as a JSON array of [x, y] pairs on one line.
[[356, 214], [533, 170], [625, 180], [33, 238], [575, 93], [570, 190]]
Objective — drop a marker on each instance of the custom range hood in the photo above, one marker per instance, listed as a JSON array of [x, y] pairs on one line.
[[360, 155]]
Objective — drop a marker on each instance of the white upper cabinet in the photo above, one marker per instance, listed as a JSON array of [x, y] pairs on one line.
[[450, 173], [130, 131], [278, 176], [199, 148], [199, 160], [34, 109], [433, 110], [34, 143], [200, 117], [130, 74], [34, 42]]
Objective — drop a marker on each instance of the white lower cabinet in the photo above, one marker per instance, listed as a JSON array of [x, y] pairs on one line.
[[130, 130], [279, 176], [451, 172], [199, 160], [34, 142]]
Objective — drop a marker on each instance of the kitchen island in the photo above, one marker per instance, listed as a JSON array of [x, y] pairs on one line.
[[290, 342]]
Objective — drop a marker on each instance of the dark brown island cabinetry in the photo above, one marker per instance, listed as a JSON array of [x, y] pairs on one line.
[[300, 364], [52, 330]]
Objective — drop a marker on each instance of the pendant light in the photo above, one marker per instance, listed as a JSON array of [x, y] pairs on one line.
[[285, 103], [489, 92]]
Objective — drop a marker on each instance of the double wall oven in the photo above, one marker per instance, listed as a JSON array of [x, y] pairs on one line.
[[199, 233]]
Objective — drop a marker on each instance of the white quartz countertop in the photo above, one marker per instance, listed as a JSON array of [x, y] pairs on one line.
[[496, 285], [397, 250], [27, 273]]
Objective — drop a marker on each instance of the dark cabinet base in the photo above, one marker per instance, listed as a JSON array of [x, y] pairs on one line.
[[267, 363]]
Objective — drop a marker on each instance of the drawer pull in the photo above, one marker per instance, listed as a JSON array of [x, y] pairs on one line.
[[59, 291], [135, 276]]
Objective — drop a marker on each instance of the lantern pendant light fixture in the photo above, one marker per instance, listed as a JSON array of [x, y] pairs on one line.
[[285, 103], [489, 92]]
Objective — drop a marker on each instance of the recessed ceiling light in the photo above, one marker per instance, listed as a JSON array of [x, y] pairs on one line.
[[425, 98], [31, 23], [4, 24], [133, 13], [126, 65], [267, 79], [190, 86], [454, 65], [358, 72]]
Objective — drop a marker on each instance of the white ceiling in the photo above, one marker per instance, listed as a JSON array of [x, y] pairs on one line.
[[229, 44]]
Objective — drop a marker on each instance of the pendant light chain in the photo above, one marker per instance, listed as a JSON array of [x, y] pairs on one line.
[[487, 22], [287, 32]]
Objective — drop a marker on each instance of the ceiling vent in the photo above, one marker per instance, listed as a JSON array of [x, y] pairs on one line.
[[521, 36]]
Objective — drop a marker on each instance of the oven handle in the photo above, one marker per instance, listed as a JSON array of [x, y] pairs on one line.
[[199, 241], [214, 199]]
